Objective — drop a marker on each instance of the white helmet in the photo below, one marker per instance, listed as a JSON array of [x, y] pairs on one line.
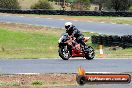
[[68, 25]]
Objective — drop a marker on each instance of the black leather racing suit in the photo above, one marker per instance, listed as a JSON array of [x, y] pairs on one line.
[[77, 34]]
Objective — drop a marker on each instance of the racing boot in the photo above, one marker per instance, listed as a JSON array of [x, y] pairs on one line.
[[86, 48]]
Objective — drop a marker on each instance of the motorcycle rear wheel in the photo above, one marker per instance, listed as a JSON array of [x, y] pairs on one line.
[[90, 53]]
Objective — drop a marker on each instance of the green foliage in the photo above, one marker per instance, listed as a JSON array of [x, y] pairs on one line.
[[86, 4], [42, 4], [130, 8], [9, 84], [2, 83], [9, 4], [37, 82], [53, 0], [80, 4], [117, 5], [13, 83], [99, 2], [71, 0]]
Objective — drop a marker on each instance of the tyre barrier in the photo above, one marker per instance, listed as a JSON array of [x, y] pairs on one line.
[[121, 41], [62, 12]]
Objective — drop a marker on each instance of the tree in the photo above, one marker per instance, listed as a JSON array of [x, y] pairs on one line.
[[80, 4], [130, 2], [119, 5], [53, 0], [86, 4], [42, 4], [99, 2], [9, 4]]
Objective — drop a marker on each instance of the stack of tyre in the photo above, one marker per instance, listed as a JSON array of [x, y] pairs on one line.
[[122, 41], [63, 12]]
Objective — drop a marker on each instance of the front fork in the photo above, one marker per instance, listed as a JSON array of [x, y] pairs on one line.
[[70, 49]]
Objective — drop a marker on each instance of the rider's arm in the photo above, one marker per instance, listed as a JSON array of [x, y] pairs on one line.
[[75, 31]]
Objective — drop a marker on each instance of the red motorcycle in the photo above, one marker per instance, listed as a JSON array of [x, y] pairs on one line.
[[68, 47]]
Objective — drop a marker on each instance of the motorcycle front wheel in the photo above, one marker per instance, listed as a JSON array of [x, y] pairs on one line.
[[64, 53]]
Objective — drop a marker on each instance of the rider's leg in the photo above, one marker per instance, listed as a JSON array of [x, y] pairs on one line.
[[81, 41]]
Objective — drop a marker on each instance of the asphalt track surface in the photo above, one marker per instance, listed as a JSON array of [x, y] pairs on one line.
[[61, 66], [103, 28]]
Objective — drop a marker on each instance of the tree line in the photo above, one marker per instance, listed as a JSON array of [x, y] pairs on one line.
[[108, 5]]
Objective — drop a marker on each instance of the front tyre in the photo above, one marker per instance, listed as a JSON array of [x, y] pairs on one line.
[[89, 53], [64, 53]]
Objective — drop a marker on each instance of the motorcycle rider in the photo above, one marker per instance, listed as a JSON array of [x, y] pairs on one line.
[[74, 32]]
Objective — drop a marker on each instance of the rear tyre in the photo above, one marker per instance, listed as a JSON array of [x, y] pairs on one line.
[[89, 53], [64, 53]]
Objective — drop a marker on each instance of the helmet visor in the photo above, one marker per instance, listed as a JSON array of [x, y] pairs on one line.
[[67, 27]]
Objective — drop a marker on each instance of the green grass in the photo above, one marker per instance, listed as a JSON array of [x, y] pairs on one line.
[[37, 82], [125, 21], [61, 16], [119, 53], [9, 84], [20, 44], [2, 83], [12, 84]]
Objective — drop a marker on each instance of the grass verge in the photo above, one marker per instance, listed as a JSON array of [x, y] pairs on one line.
[[37, 81], [23, 41]]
